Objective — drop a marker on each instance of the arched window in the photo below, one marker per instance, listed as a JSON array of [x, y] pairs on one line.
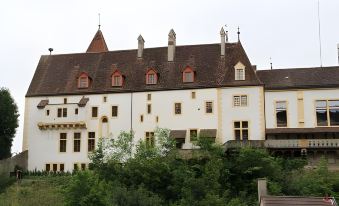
[[188, 75], [117, 79], [83, 80], [104, 120], [151, 77]]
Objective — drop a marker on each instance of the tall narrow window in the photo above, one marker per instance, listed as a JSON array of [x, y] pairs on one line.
[[334, 112], [241, 130], [281, 113], [149, 108], [188, 75], [151, 77], [59, 112], [141, 118], [117, 79], [150, 139], [94, 111], [321, 110], [64, 112], [83, 81], [91, 141], [65, 100], [239, 74], [149, 97], [209, 107], [63, 142], [62, 167], [104, 99], [114, 111], [48, 167], [77, 142], [177, 108], [76, 111], [55, 167], [47, 112]]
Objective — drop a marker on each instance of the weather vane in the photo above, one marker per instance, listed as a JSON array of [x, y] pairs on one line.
[[99, 21]]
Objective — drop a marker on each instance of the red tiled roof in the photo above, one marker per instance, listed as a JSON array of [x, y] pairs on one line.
[[98, 43]]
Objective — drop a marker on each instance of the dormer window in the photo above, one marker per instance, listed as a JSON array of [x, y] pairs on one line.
[[117, 79], [151, 77], [239, 71], [83, 81], [188, 75]]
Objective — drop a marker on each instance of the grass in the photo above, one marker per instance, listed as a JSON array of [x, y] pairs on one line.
[[34, 191]]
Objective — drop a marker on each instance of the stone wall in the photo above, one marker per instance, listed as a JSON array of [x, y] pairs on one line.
[[7, 165]]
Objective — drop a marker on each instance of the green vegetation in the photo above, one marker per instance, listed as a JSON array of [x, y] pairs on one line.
[[8, 122]]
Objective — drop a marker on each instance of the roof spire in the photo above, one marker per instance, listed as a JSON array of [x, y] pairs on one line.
[[238, 34], [99, 25], [98, 43]]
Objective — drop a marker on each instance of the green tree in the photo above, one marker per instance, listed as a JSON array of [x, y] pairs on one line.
[[8, 122]]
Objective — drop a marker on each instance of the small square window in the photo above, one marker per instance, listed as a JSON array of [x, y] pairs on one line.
[[240, 101]]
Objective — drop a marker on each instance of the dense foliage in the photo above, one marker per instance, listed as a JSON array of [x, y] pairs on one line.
[[8, 122], [161, 175]]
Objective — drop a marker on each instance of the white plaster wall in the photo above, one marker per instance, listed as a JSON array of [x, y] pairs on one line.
[[253, 113]]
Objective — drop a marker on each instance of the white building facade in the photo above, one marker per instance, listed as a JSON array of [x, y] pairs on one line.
[[206, 90]]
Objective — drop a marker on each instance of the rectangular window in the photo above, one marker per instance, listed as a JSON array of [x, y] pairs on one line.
[[83, 83], [48, 167], [114, 111], [55, 167], [94, 111], [59, 112], [150, 139], [149, 97], [47, 112], [281, 113], [240, 100], [75, 167], [76, 111], [149, 108], [77, 142], [334, 112], [193, 95], [177, 108], [193, 134], [151, 79], [83, 166], [65, 100], [117, 80], [241, 130], [188, 76], [240, 74], [64, 112], [63, 142], [62, 167], [141, 118], [209, 107], [91, 141], [321, 110], [157, 119]]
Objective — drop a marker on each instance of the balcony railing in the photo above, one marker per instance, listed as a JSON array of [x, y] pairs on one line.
[[302, 143]]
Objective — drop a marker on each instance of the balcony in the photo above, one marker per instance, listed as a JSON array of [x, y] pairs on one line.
[[302, 143]]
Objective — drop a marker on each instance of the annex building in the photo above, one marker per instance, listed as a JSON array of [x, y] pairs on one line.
[[210, 90]]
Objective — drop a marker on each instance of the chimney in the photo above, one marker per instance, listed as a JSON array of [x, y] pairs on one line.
[[171, 45], [222, 43], [262, 188], [141, 42], [338, 52]]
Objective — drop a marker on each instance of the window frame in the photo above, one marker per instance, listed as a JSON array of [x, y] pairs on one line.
[[76, 141], [117, 74], [62, 141], [150, 139], [188, 70], [151, 72], [275, 113], [212, 106], [328, 115], [90, 146], [175, 108], [92, 112], [83, 77], [239, 67], [241, 129], [116, 112]]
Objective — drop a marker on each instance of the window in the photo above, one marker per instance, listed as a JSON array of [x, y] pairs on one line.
[[209, 107], [83, 166], [47, 112], [105, 99], [149, 97], [83, 80], [94, 111], [114, 111], [62, 112], [48, 167], [62, 167], [157, 119], [240, 100], [141, 118], [193, 95], [193, 134], [63, 142], [281, 113], [241, 130], [117, 79], [177, 108], [77, 142], [91, 141], [188, 75], [151, 77], [65, 100], [150, 139], [76, 111], [55, 167], [240, 74], [75, 167], [149, 108], [327, 112]]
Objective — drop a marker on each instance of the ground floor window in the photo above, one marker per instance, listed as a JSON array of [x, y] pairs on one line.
[[149, 138], [241, 130], [63, 142], [91, 141]]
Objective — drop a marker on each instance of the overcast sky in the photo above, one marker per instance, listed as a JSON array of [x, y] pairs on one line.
[[286, 30]]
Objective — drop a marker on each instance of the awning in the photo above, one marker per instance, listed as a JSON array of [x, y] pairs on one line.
[[83, 101], [301, 130], [178, 134], [43, 103], [208, 133]]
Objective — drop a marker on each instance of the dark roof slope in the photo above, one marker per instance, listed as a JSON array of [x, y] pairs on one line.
[[288, 200], [325, 77], [57, 74]]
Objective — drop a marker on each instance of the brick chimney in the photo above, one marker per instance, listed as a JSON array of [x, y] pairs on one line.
[[222, 43], [262, 188], [141, 42], [171, 45]]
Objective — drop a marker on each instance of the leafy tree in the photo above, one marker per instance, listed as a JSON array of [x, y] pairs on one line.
[[8, 122]]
